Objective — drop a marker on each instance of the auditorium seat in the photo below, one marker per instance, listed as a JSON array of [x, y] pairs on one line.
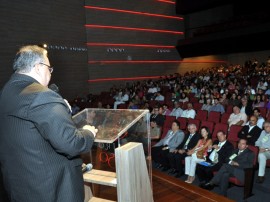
[[183, 123], [201, 115], [219, 126], [224, 118], [233, 134], [197, 106], [263, 111], [208, 124], [214, 116]]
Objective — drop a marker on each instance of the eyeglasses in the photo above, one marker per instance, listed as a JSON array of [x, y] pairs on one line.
[[49, 67]]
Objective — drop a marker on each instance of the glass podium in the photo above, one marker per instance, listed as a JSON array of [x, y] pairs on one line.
[[116, 128]]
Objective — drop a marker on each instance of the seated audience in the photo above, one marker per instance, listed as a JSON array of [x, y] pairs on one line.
[[251, 132], [233, 100], [175, 157], [258, 102], [264, 151], [157, 116], [218, 154], [197, 154], [183, 98], [217, 107], [237, 117], [166, 110], [189, 112], [246, 106], [121, 99], [261, 120], [177, 111], [168, 144], [159, 97], [206, 106], [241, 158]]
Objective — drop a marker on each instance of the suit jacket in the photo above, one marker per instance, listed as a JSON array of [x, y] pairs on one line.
[[158, 118], [192, 143], [39, 144], [245, 160], [254, 133], [174, 141], [223, 153]]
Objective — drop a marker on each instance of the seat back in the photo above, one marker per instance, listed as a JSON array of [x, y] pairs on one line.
[[208, 124], [197, 106], [183, 123], [224, 118], [194, 121], [201, 115], [219, 126], [214, 116], [233, 133]]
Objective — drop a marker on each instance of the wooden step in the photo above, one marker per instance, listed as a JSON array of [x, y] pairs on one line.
[[96, 199], [100, 177]]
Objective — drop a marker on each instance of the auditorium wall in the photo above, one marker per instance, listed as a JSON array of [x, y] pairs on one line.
[[58, 23]]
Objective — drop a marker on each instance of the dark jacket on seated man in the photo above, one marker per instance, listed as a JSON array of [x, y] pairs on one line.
[[252, 135], [189, 142], [240, 159], [205, 172]]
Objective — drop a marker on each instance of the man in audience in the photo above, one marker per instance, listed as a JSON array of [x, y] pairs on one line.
[[251, 132], [121, 99], [237, 118], [177, 111], [241, 158], [175, 157], [261, 120], [264, 151], [189, 112], [157, 116], [217, 107], [218, 154], [245, 106], [159, 97]]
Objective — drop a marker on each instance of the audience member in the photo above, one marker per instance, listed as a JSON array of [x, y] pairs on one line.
[[251, 132], [189, 112], [177, 111], [264, 151], [246, 106], [261, 120], [175, 157], [218, 154], [237, 117], [197, 154], [241, 158], [168, 144], [157, 116], [217, 107]]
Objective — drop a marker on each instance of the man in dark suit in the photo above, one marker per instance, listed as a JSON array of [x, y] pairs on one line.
[[251, 132], [240, 159], [157, 116], [39, 143], [219, 154], [175, 157]]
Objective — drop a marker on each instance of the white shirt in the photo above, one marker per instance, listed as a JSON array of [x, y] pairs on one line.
[[189, 113]]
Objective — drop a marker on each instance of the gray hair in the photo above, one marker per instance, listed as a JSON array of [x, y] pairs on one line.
[[27, 57]]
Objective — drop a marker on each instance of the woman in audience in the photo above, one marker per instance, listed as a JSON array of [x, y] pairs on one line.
[[202, 98], [258, 102], [197, 154], [183, 98]]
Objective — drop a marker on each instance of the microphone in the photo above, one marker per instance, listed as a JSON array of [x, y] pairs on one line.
[[86, 167]]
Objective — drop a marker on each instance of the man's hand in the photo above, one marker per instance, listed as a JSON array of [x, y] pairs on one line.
[[92, 129]]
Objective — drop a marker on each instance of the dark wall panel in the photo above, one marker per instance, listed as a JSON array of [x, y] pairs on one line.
[[59, 23]]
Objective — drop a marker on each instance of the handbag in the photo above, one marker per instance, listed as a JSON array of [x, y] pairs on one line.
[[200, 154]]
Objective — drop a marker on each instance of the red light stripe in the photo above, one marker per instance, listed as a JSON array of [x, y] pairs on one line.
[[134, 29], [169, 2], [130, 45], [124, 79], [133, 12], [153, 61]]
